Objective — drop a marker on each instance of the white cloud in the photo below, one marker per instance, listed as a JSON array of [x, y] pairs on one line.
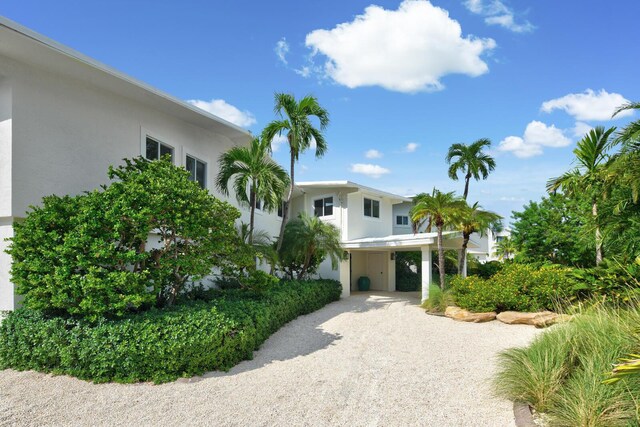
[[373, 154], [404, 50], [220, 108], [497, 13], [373, 171], [411, 147], [277, 142], [304, 71], [281, 50], [588, 105], [581, 129], [536, 136]]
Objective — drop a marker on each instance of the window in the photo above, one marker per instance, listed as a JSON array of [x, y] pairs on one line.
[[281, 209], [371, 208], [156, 149], [323, 207], [402, 220], [197, 170], [259, 204]]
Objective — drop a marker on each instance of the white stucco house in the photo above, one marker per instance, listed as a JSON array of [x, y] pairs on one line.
[[65, 118]]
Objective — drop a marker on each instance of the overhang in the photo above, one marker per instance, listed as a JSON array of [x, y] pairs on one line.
[[350, 186], [451, 240]]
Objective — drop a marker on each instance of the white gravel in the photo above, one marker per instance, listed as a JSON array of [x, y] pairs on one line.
[[363, 361]]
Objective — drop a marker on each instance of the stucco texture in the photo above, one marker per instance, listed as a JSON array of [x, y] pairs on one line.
[[364, 360]]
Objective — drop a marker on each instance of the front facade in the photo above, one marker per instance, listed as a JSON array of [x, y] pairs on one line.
[[64, 119]]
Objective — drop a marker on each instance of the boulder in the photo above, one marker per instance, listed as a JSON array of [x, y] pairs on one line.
[[539, 320], [544, 321], [462, 315]]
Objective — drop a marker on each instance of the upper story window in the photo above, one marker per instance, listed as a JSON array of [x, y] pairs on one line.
[[323, 207], [197, 170], [371, 208], [156, 149], [402, 220]]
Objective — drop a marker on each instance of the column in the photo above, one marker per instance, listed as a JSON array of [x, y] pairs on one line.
[[345, 276], [426, 271]]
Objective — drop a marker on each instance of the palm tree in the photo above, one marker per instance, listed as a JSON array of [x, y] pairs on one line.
[[589, 175], [308, 237], [626, 167], [295, 122], [473, 220], [256, 177], [506, 248], [471, 160], [442, 209], [630, 134]]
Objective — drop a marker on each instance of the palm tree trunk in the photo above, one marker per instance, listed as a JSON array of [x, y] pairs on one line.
[[462, 257], [285, 208], [466, 185], [440, 257], [594, 211], [252, 211]]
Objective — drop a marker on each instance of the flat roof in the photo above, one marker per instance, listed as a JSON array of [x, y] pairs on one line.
[[453, 239], [350, 185], [29, 47]]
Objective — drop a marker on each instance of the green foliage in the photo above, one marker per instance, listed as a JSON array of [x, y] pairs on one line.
[[612, 280], [518, 287], [471, 161], [307, 242], [406, 279], [438, 300], [561, 371], [161, 344], [556, 229], [95, 255], [484, 270]]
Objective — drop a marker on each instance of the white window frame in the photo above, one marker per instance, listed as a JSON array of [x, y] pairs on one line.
[[373, 199], [402, 225], [322, 197], [206, 167], [144, 134]]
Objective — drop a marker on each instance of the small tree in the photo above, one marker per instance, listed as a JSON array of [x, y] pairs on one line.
[[473, 220], [131, 244], [307, 241]]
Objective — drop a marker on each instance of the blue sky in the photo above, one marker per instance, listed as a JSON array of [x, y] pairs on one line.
[[406, 79]]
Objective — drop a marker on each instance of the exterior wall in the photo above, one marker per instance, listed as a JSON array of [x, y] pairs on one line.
[[401, 209], [360, 226], [358, 268], [62, 135], [8, 298]]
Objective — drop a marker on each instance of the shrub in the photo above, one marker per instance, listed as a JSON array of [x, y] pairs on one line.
[[562, 371], [615, 280], [485, 270], [408, 280], [438, 300], [92, 255], [160, 344], [519, 287]]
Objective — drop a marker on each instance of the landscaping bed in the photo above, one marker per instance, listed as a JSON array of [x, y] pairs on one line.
[[161, 344]]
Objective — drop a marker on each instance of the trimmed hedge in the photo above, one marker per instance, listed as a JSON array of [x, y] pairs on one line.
[[159, 345], [520, 287]]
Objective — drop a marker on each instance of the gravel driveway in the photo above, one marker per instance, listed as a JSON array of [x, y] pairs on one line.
[[374, 360]]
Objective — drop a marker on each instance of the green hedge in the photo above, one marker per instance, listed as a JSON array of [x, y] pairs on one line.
[[519, 287], [159, 345]]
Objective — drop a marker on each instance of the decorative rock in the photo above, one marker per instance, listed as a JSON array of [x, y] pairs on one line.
[[462, 315], [517, 318], [543, 322]]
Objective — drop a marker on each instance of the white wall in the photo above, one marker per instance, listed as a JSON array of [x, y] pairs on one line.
[[401, 209], [7, 294], [360, 226], [5, 148]]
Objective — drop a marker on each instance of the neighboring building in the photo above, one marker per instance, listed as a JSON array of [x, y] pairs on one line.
[[64, 118], [488, 243]]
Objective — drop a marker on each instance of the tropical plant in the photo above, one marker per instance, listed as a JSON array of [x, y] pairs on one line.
[[308, 240], [256, 177], [506, 248], [630, 134], [92, 255], [473, 220], [300, 132], [470, 160], [443, 210], [589, 175], [261, 244]]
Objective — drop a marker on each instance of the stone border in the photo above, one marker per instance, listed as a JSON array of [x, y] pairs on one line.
[[523, 415], [435, 314]]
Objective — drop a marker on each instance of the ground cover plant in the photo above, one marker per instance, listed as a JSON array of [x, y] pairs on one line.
[[187, 339], [563, 372]]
